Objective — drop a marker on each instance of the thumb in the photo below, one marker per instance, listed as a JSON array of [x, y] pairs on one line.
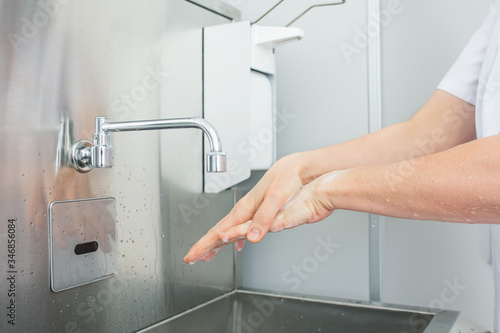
[[287, 219], [305, 207]]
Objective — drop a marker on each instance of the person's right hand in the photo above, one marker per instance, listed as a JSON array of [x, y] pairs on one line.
[[257, 209]]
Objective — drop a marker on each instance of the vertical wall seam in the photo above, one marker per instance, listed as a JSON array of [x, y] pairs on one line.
[[203, 161], [375, 123]]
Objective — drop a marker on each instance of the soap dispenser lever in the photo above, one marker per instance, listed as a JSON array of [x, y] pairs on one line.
[[315, 6], [99, 153], [301, 14]]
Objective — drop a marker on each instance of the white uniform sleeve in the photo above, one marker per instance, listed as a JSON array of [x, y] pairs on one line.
[[463, 77]]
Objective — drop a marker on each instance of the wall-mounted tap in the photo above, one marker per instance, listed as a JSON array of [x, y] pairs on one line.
[[99, 153]]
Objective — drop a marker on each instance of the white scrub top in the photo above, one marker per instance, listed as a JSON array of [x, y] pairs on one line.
[[475, 78]]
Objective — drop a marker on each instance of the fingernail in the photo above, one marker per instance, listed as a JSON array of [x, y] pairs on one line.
[[239, 249], [224, 239], [253, 235], [189, 262]]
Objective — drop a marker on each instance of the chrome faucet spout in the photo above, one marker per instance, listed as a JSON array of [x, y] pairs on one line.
[[101, 150], [103, 125]]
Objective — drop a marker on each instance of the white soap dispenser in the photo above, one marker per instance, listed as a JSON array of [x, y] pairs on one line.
[[239, 95]]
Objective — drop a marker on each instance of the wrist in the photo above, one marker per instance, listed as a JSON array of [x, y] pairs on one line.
[[332, 189], [315, 163], [303, 166]]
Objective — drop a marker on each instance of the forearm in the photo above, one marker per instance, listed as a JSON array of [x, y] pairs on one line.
[[458, 185], [443, 122], [393, 143]]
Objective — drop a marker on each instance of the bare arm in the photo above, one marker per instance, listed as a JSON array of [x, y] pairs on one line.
[[461, 184], [458, 185], [443, 122]]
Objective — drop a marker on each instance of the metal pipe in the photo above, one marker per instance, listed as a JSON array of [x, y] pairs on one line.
[[314, 6], [101, 150], [103, 124], [301, 14]]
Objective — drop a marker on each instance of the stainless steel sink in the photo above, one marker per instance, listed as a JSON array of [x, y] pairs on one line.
[[255, 312]]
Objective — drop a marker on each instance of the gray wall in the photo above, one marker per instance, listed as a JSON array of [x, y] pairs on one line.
[[327, 96], [326, 100], [421, 259]]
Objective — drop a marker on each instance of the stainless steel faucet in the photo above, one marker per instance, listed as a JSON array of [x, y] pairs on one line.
[[99, 154]]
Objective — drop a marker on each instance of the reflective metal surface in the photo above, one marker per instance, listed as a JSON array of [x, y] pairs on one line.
[[244, 312], [216, 162], [82, 242], [301, 14], [63, 63], [101, 152]]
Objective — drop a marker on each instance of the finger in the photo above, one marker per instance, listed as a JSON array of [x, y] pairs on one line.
[[240, 213], [206, 243], [215, 245], [210, 254], [304, 208], [239, 244], [235, 233], [287, 220], [264, 217]]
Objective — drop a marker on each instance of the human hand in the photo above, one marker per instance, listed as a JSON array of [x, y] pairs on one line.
[[283, 199], [257, 209]]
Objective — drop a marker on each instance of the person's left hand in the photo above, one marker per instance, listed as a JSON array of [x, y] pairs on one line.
[[311, 204]]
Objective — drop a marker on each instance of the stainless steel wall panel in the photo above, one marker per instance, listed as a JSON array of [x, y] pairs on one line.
[[62, 64]]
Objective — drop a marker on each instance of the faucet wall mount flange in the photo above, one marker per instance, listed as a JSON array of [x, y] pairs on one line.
[[81, 156]]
